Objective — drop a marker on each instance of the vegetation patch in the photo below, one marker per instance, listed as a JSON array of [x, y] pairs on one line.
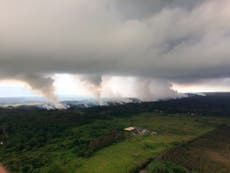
[[165, 167], [92, 140], [209, 153]]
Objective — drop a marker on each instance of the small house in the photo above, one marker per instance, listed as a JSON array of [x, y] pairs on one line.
[[130, 129]]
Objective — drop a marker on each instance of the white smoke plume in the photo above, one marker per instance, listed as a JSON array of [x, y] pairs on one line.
[[146, 89], [43, 85], [92, 83]]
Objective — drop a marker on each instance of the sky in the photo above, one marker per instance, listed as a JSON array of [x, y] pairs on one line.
[[114, 48]]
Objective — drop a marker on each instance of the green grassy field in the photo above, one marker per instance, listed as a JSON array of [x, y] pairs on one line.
[[125, 155]]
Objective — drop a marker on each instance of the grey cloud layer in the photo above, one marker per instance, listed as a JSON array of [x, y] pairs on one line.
[[90, 37], [136, 9], [174, 40]]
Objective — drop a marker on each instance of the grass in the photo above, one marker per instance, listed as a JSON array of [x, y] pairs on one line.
[[125, 156], [165, 167]]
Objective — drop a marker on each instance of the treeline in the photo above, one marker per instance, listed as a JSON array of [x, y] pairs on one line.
[[212, 104]]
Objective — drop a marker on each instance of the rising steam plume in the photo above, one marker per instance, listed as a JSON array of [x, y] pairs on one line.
[[42, 85]]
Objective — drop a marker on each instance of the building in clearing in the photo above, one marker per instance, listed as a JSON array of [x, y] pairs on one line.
[[139, 131], [130, 129]]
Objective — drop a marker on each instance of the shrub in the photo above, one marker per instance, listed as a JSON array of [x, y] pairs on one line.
[[165, 167]]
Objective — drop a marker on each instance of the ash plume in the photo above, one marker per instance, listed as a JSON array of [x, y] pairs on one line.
[[93, 83], [146, 89], [43, 85]]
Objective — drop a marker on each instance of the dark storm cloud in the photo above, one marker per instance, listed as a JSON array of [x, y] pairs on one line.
[[133, 9], [171, 40]]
